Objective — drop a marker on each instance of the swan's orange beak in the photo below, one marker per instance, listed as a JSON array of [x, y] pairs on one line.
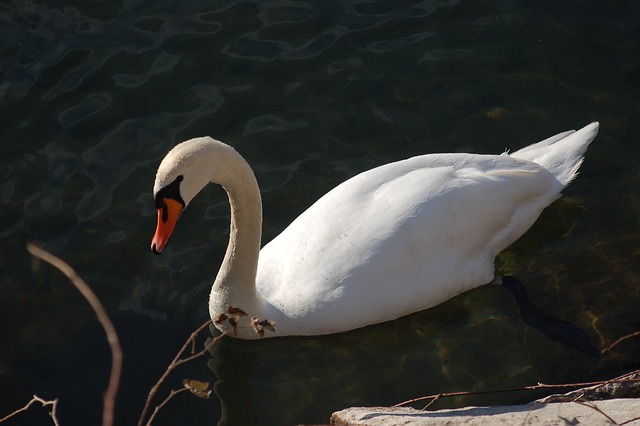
[[168, 216]]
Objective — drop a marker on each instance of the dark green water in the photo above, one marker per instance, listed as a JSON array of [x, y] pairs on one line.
[[92, 94]]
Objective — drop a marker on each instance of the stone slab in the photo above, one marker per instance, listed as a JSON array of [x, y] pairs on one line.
[[606, 412]]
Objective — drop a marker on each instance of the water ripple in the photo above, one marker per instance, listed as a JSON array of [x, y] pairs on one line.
[[143, 134], [164, 63], [271, 122], [92, 104], [397, 43], [302, 30]]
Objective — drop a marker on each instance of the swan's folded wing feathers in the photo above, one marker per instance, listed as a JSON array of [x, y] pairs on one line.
[[516, 198], [378, 229], [539, 146]]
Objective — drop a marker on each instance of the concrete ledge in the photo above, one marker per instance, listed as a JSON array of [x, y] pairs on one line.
[[535, 413]]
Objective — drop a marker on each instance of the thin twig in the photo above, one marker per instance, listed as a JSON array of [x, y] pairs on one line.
[[177, 361], [173, 393], [619, 379], [105, 322], [594, 407], [430, 403], [36, 398], [577, 399], [629, 421], [623, 338]]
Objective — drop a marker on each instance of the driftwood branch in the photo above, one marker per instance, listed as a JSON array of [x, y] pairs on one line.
[[105, 322]]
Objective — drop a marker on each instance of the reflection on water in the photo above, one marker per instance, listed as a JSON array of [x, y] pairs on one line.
[[93, 94]]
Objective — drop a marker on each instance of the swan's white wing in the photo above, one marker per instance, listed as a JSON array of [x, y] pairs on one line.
[[402, 237]]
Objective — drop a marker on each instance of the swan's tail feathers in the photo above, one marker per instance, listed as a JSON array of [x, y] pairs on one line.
[[561, 154]]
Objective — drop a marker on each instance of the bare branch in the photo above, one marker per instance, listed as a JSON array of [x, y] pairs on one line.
[[36, 398], [176, 362], [105, 322]]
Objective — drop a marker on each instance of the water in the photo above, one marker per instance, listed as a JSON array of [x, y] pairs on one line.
[[93, 94]]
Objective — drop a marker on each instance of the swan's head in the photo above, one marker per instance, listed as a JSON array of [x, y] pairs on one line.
[[185, 170]]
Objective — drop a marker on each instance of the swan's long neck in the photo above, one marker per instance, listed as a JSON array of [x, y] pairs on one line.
[[235, 282]]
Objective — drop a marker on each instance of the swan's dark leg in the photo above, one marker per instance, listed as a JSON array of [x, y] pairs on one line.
[[554, 328]]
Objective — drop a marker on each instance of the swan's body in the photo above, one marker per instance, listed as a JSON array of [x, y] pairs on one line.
[[391, 241]]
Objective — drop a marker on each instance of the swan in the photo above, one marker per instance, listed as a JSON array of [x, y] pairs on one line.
[[393, 240]]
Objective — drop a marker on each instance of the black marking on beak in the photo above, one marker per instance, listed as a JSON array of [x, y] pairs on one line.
[[171, 191]]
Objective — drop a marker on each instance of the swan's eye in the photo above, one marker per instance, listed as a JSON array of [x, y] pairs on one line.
[[165, 211], [169, 192]]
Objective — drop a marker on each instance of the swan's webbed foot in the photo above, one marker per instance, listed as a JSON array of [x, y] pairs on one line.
[[554, 328]]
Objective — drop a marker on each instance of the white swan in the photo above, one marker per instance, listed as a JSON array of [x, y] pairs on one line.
[[388, 242]]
